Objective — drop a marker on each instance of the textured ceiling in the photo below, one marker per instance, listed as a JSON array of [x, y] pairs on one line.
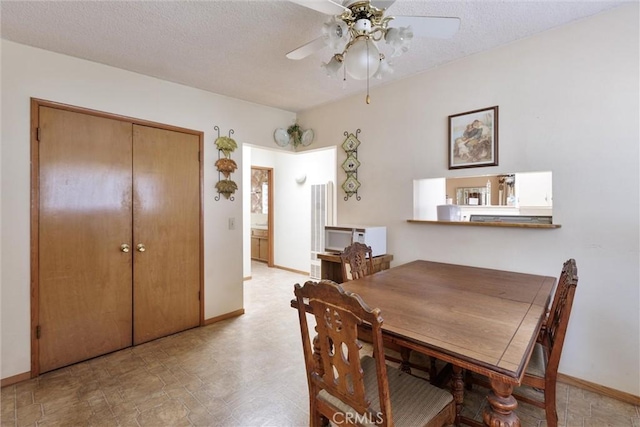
[[237, 48]]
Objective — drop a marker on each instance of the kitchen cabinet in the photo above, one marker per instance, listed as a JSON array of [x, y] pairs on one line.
[[260, 244], [534, 189]]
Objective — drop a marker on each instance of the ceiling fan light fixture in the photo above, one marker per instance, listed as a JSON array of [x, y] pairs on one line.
[[355, 28], [333, 66], [399, 39], [362, 58], [336, 33], [384, 69]]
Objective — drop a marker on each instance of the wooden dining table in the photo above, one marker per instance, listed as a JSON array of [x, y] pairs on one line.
[[479, 319]]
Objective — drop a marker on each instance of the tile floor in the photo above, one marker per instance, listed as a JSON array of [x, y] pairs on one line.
[[245, 371]]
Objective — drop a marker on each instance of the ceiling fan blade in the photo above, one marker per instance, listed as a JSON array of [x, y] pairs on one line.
[[327, 7], [307, 49], [382, 4], [428, 26]]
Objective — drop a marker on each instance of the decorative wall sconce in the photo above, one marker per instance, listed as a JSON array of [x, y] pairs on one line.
[[351, 165], [225, 165]]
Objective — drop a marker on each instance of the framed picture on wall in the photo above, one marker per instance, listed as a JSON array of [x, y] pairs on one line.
[[473, 139]]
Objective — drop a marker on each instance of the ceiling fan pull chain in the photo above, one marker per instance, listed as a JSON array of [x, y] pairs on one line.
[[344, 78], [368, 99]]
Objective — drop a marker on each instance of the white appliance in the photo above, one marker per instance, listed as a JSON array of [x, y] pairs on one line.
[[449, 213], [336, 238]]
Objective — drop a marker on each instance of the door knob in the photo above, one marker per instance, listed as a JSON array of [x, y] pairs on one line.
[[124, 248], [140, 247]]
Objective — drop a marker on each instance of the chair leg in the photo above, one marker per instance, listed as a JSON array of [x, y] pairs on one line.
[[316, 419], [550, 405], [468, 380], [405, 354], [433, 371]]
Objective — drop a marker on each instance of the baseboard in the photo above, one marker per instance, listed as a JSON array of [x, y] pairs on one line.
[[224, 317], [600, 389], [15, 379], [306, 273]]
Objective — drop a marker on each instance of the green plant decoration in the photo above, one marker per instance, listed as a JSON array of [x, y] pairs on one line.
[[295, 133], [226, 145], [226, 187]]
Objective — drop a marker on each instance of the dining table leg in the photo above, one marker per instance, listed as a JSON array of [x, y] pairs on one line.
[[500, 413], [457, 389]]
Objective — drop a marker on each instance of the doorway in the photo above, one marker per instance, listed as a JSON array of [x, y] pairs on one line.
[[262, 214]]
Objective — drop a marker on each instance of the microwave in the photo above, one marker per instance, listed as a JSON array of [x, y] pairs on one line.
[[338, 237]]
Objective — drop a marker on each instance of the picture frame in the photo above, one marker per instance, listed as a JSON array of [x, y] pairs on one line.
[[473, 138]]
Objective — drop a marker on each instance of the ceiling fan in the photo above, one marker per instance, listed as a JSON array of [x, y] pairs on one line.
[[356, 27]]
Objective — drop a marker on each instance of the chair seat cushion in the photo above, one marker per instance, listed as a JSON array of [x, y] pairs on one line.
[[538, 363], [414, 401]]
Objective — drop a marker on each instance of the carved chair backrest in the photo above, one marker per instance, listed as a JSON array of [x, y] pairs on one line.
[[561, 289], [558, 320], [334, 363], [358, 257]]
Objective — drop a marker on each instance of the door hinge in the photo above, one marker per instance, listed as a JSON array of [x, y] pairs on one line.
[[199, 156], [198, 295], [38, 332], [38, 134]]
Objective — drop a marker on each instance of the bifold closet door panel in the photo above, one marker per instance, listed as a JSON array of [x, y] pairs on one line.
[[166, 230], [85, 202]]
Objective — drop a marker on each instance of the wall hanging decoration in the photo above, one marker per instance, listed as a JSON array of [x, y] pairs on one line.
[[293, 135], [225, 165], [473, 139], [351, 165]]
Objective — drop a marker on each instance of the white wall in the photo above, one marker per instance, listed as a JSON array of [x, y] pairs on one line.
[[568, 103], [292, 201], [29, 72]]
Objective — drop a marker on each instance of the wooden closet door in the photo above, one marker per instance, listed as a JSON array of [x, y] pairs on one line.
[[84, 304], [166, 221]]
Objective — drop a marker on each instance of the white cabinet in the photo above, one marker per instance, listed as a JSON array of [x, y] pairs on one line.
[[534, 189], [427, 195]]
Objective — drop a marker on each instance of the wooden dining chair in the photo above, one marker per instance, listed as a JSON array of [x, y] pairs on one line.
[[539, 382], [568, 268], [356, 259], [345, 388], [542, 370]]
